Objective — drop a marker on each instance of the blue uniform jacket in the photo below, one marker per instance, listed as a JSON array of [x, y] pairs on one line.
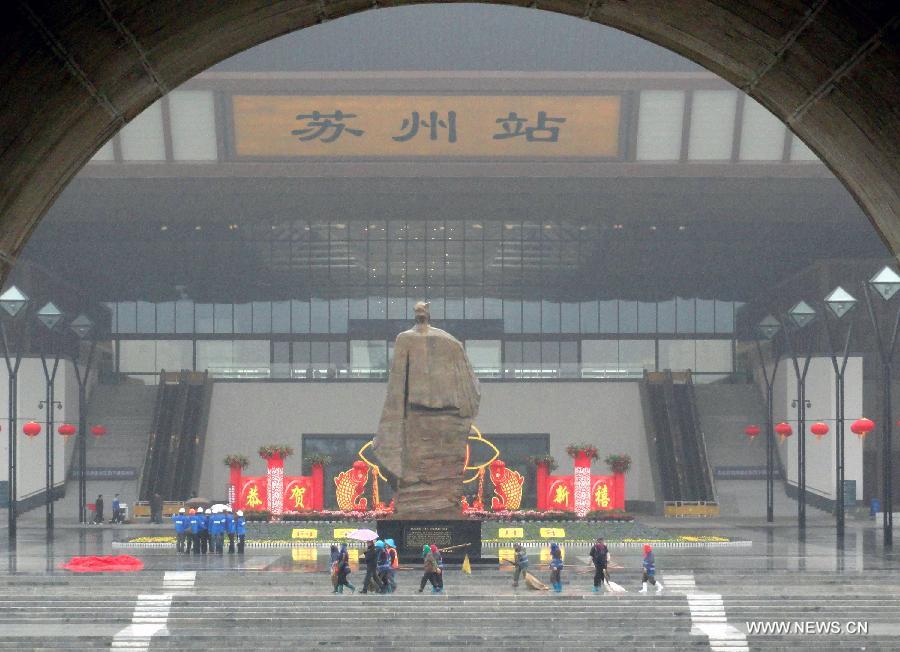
[[181, 522], [229, 523], [649, 563], [241, 525], [203, 521], [217, 524], [195, 522]]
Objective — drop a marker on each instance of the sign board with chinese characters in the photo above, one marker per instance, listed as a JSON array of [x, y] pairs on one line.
[[511, 533], [394, 126], [304, 533], [342, 532], [552, 533]]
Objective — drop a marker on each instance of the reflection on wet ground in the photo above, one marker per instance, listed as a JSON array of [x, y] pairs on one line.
[[773, 548]]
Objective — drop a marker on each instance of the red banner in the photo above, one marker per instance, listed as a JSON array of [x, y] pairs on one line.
[[299, 494], [253, 493]]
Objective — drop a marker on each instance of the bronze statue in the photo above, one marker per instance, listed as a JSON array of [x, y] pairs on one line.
[[432, 399]]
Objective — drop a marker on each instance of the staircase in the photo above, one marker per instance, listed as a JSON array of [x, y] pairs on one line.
[[247, 609], [126, 410], [175, 449], [675, 437]]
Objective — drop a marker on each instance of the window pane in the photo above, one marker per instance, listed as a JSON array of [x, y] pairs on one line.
[[628, 316], [262, 317], [677, 355], [165, 317], [705, 316], [318, 317], [397, 305], [377, 308], [493, 306], [319, 353], [660, 126], [223, 317], [301, 353], [714, 356], [339, 316], [204, 317], [609, 316], [588, 317], [512, 316], [142, 138], [531, 352], [568, 352], [600, 354], [712, 125], [214, 355], [184, 316], [243, 318], [685, 312], [665, 316], [281, 316], [637, 354], [474, 307], [136, 356], [724, 317], [366, 355], [192, 119], [531, 317], [550, 352], [338, 354], [512, 353], [762, 134], [549, 316], [146, 317], [281, 352], [484, 354], [174, 355], [299, 316], [568, 320], [646, 317]]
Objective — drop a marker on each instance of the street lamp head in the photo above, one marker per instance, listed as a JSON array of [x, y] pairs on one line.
[[768, 327], [886, 283], [81, 326], [840, 302], [802, 314], [13, 300], [50, 316]]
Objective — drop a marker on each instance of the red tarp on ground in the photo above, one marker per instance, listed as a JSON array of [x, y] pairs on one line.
[[103, 564]]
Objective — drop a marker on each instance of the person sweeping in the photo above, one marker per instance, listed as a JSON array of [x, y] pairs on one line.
[[430, 568], [600, 557], [520, 562], [649, 564], [556, 567]]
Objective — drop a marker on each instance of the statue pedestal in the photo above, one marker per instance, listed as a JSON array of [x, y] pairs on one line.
[[411, 534]]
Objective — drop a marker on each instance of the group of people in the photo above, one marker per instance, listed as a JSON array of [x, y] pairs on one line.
[[118, 512], [600, 558], [203, 531], [381, 560]]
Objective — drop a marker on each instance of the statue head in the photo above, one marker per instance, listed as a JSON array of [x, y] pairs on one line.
[[423, 314]]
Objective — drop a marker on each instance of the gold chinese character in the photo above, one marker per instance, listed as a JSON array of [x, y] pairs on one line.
[[562, 495], [602, 495], [297, 496], [253, 499]]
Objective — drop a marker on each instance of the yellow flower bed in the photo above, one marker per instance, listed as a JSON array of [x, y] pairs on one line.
[[704, 539], [152, 540]]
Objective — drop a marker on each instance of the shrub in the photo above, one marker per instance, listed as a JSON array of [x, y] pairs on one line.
[[588, 449], [619, 463]]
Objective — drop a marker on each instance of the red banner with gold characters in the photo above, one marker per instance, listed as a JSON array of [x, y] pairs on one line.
[[561, 493], [253, 494], [298, 493], [607, 492]]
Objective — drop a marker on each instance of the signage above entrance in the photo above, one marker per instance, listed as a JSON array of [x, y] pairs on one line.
[[393, 126]]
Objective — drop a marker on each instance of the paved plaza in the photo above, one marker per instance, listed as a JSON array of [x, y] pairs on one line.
[[272, 599]]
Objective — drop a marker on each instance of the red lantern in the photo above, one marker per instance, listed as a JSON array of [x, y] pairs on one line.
[[98, 431], [32, 429], [66, 429], [819, 429], [751, 432], [862, 427], [784, 430]]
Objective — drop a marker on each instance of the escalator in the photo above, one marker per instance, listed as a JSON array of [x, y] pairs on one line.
[[682, 473], [175, 448]]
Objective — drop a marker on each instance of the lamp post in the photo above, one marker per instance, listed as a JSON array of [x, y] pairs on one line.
[[768, 327], [800, 315], [885, 283], [50, 316], [82, 327], [13, 302], [838, 303]]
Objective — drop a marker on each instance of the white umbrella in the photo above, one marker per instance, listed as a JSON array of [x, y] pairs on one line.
[[362, 534]]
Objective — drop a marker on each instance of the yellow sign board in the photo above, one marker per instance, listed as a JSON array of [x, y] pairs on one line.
[[398, 126], [552, 533], [304, 533], [304, 554], [512, 533], [342, 532], [352, 554], [545, 553], [506, 554]]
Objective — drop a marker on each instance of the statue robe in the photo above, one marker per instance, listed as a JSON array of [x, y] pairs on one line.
[[432, 399]]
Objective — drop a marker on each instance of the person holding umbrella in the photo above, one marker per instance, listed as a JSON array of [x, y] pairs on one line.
[[371, 558]]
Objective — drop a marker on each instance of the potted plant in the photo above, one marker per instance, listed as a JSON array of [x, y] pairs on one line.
[[545, 458], [317, 458], [236, 460], [588, 450], [271, 451], [618, 463]]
